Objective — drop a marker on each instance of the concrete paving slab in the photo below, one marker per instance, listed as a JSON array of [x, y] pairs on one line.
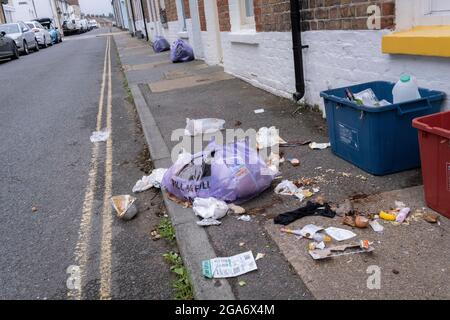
[[412, 258], [189, 81]]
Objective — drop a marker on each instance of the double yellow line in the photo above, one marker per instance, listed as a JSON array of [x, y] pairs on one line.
[[85, 228]]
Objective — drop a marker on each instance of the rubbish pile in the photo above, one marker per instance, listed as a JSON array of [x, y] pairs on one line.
[[322, 248], [181, 51], [160, 44], [232, 173]]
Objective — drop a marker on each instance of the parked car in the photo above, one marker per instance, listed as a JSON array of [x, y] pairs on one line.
[[84, 25], [8, 47], [78, 26], [22, 35], [93, 24], [70, 27], [49, 24], [43, 37]]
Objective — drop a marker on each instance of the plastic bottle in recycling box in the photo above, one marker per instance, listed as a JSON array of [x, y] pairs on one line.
[[405, 89]]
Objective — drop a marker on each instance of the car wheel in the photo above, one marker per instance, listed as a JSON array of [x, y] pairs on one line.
[[36, 47], [16, 53], [26, 51]]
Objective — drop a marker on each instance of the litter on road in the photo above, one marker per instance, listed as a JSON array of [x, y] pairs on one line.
[[290, 144], [376, 226], [200, 126], [100, 136], [388, 216], [210, 209], [340, 250], [125, 206], [339, 234], [288, 188], [431, 217], [319, 146], [236, 209], [153, 180], [258, 111], [311, 208], [245, 218], [259, 256], [242, 283], [154, 235], [230, 266], [268, 137], [402, 215], [295, 162]]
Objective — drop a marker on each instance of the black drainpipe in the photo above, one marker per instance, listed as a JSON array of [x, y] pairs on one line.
[[132, 16], [296, 7], [145, 23]]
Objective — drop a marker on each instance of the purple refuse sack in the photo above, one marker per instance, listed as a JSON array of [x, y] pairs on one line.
[[181, 51], [232, 173], [160, 44]]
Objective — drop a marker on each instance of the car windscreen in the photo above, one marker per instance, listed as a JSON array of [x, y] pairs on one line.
[[9, 28], [30, 25]]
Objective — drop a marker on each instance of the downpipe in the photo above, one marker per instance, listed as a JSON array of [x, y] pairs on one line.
[[297, 48]]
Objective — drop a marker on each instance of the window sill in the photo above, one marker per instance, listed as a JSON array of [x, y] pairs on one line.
[[251, 38], [183, 35], [423, 41]]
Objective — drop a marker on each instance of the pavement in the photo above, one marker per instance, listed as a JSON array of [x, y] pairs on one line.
[[412, 256], [49, 108]]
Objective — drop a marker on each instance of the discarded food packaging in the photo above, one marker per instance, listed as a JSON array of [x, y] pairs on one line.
[[125, 206]]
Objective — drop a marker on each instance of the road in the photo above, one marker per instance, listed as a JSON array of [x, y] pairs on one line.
[[55, 184]]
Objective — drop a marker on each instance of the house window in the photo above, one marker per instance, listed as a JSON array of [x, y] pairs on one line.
[[413, 13], [438, 6], [247, 14]]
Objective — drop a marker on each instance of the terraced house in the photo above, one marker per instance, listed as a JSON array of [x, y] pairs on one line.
[[341, 41], [2, 15]]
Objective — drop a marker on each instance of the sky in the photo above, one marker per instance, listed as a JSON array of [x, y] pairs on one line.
[[96, 6]]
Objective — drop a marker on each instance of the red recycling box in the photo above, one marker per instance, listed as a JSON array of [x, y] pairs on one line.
[[434, 140]]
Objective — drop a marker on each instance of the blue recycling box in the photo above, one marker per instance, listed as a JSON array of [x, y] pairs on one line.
[[379, 140]]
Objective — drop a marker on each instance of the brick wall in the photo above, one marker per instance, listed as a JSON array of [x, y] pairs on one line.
[[187, 11], [344, 14], [201, 14], [171, 10], [272, 15], [2, 15], [224, 15], [146, 12]]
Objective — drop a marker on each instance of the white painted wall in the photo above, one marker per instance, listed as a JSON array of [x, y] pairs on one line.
[[263, 59], [196, 36], [24, 11], [44, 9], [334, 59], [211, 39]]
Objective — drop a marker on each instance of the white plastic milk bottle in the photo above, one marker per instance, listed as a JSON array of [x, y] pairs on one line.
[[405, 89]]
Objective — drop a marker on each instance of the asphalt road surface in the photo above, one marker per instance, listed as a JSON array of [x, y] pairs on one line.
[[59, 237]]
